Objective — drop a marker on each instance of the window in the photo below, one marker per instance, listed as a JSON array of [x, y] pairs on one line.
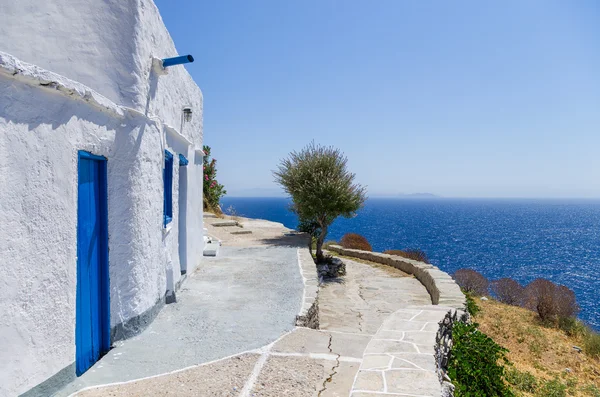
[[168, 188]]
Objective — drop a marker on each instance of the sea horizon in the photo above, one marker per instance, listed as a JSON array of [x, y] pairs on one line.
[[521, 238]]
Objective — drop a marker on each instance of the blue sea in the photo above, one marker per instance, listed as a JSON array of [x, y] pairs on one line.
[[523, 239]]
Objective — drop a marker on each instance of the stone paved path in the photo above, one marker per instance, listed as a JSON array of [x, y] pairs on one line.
[[241, 300], [399, 358], [376, 339]]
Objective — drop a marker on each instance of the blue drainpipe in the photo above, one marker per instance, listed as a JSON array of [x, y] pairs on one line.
[[177, 60]]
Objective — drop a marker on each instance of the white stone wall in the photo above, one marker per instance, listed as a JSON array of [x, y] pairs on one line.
[[107, 46], [103, 98]]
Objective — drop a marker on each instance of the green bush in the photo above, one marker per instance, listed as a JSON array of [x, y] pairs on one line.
[[471, 307], [522, 381], [591, 344], [476, 363], [572, 326], [552, 388]]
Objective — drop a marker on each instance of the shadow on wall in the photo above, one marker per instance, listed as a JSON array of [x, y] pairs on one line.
[[35, 106], [152, 88]]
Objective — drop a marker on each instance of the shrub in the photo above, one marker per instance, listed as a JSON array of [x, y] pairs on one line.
[[355, 241], [472, 282], [552, 388], [572, 326], [591, 344], [522, 381], [507, 290], [475, 364], [416, 255], [551, 302], [566, 302]]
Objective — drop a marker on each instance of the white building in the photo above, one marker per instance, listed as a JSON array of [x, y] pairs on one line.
[[100, 182]]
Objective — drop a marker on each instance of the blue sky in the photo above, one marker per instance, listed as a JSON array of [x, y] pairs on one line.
[[460, 99]]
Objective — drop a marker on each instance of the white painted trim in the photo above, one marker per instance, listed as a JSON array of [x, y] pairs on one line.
[[177, 134]]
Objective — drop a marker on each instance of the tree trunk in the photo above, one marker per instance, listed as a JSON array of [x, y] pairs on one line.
[[320, 241]]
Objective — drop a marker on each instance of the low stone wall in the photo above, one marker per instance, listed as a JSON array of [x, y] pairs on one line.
[[441, 287], [309, 312], [443, 346]]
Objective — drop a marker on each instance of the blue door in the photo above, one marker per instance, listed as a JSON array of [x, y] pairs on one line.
[[92, 326]]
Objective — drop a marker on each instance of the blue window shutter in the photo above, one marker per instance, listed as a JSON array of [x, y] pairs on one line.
[[182, 160], [168, 188]]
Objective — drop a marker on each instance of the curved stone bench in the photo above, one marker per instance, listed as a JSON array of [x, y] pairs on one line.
[[440, 286]]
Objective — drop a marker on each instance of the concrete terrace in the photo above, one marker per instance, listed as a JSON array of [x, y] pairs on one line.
[[232, 331]]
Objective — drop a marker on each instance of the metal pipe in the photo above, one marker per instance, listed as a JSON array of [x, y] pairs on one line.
[[177, 60]]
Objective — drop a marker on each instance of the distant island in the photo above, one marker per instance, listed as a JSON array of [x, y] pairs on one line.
[[407, 195]]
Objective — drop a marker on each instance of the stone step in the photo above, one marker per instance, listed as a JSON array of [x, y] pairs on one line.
[[224, 223], [211, 249], [208, 215], [241, 232]]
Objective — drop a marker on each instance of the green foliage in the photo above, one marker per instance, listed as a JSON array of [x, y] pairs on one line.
[[591, 343], [476, 363], [522, 381], [212, 190], [591, 390], [571, 326], [571, 385], [313, 229], [535, 348], [471, 307], [552, 388], [320, 186], [310, 227]]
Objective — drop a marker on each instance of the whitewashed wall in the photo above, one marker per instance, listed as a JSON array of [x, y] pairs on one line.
[[105, 45], [45, 119]]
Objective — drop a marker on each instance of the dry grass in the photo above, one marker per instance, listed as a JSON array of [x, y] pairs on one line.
[[544, 352], [391, 271]]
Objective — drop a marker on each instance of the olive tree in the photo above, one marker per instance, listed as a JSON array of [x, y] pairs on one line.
[[321, 188]]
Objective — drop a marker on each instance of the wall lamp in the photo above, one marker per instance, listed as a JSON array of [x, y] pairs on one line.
[[187, 114]]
